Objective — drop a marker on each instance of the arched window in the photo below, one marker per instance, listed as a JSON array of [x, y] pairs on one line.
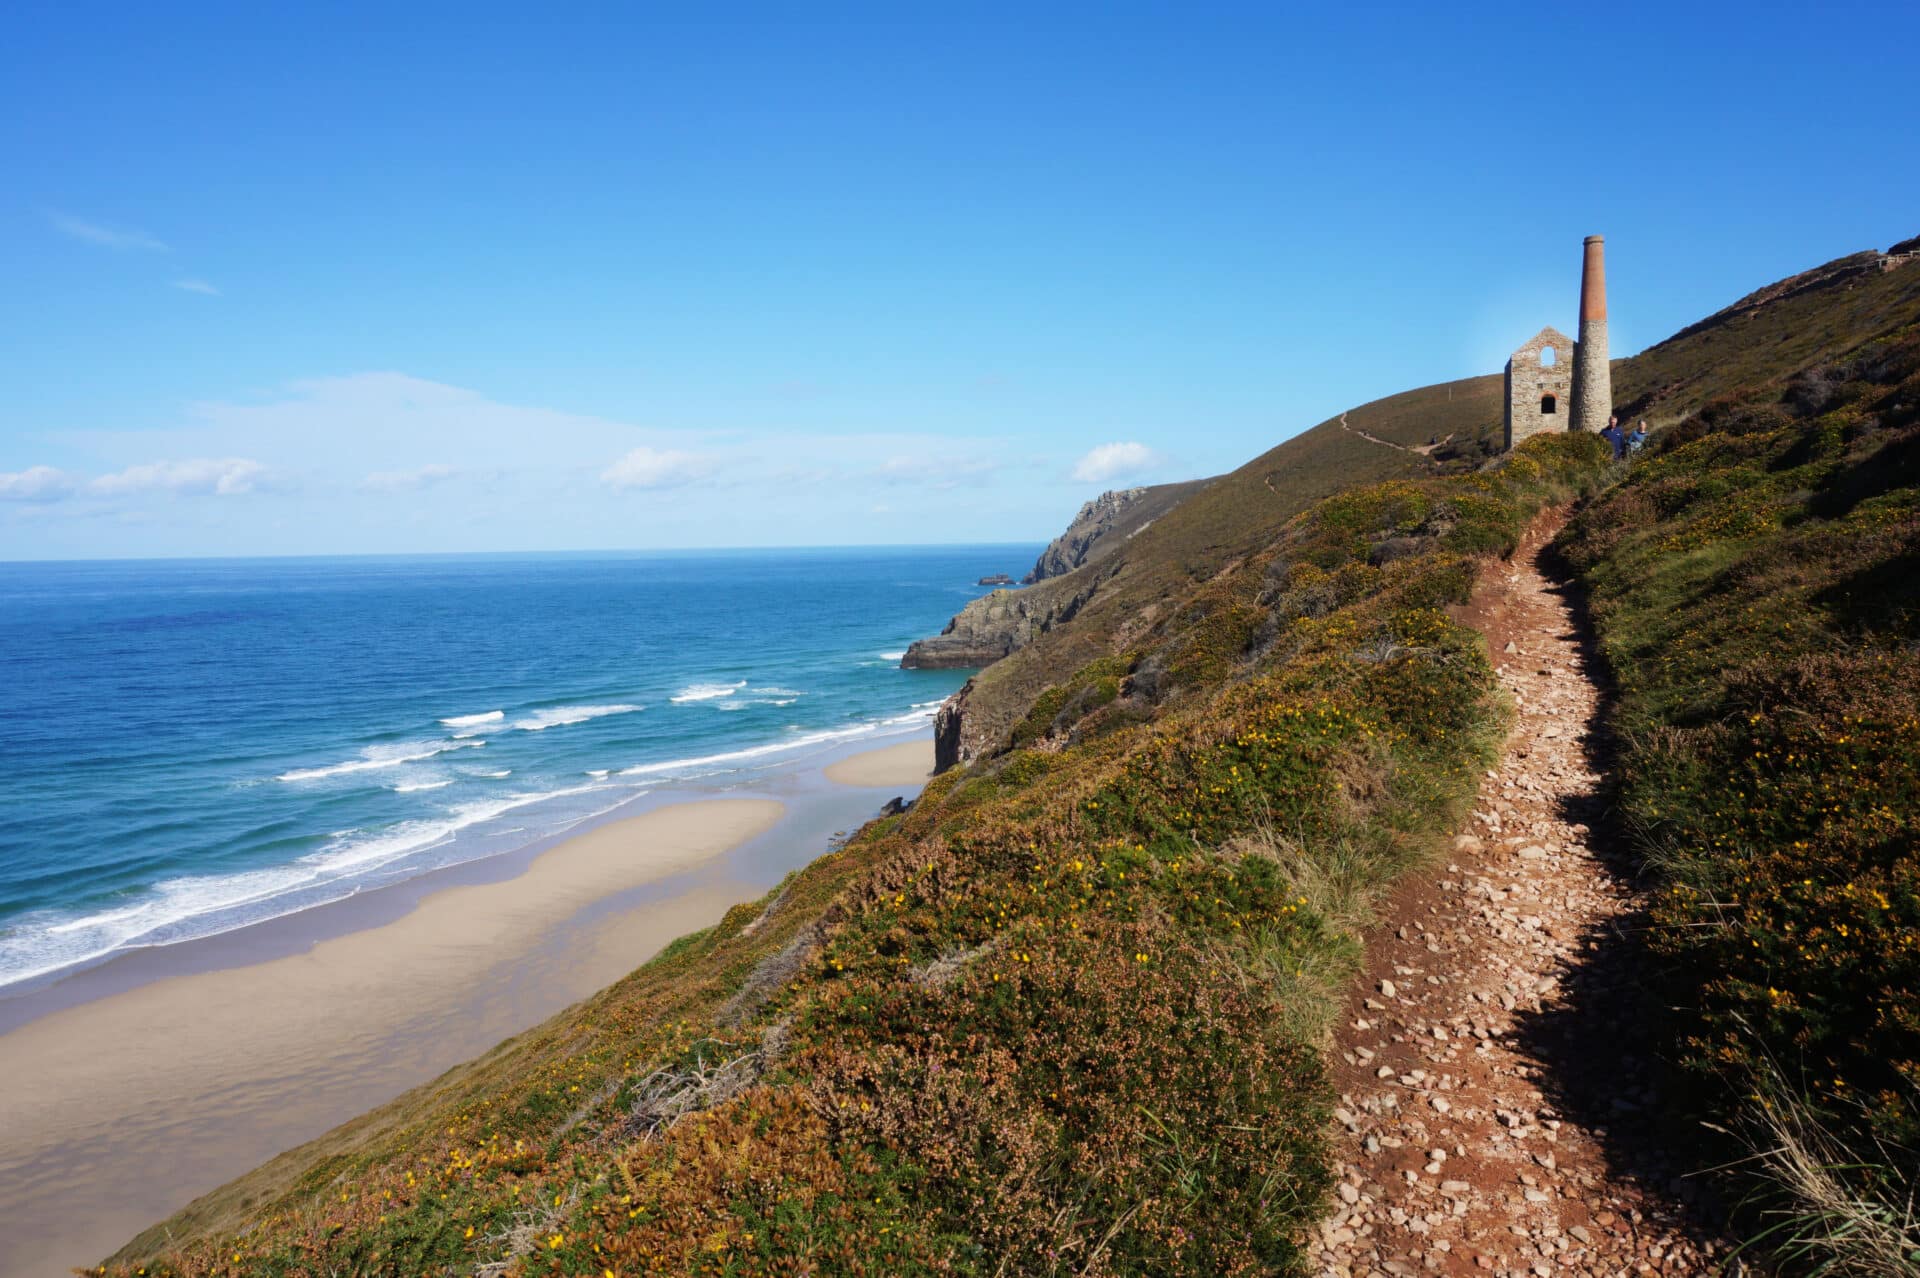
[[1549, 357], [1548, 404]]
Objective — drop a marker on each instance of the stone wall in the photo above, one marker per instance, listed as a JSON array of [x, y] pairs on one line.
[[1532, 386]]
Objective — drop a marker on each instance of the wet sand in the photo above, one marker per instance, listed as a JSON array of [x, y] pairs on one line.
[[118, 1111], [128, 1090], [907, 764]]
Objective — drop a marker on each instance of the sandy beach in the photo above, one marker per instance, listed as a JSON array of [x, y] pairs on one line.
[[907, 764], [210, 1073]]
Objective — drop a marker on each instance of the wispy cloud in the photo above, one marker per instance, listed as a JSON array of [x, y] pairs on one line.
[[935, 470], [1113, 461], [200, 476], [193, 285], [659, 468], [37, 483], [393, 481], [113, 237]]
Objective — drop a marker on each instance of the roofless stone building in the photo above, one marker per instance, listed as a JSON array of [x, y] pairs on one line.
[[1540, 386], [1556, 383]]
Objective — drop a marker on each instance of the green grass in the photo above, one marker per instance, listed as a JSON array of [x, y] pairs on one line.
[[1756, 587]]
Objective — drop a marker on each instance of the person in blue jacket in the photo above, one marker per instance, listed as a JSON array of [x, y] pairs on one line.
[[1615, 439]]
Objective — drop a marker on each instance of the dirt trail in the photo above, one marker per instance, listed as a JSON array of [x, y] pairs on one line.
[[1423, 450], [1494, 1082]]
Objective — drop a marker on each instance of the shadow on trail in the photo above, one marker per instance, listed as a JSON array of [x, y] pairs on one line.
[[1605, 1045]]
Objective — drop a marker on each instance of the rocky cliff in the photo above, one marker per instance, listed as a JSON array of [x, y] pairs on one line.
[[1106, 523], [1005, 621], [999, 623]]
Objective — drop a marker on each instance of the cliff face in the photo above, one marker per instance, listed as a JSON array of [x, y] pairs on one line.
[[1106, 523], [1000, 623], [997, 625]]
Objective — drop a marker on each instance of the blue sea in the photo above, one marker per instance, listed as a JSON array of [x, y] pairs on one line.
[[190, 746]]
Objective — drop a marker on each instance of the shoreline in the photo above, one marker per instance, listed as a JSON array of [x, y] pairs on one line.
[[220, 1053], [910, 763]]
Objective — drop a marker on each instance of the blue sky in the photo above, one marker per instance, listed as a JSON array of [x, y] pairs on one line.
[[425, 278]]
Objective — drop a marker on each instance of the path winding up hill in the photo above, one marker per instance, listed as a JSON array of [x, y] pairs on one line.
[[1472, 1143]]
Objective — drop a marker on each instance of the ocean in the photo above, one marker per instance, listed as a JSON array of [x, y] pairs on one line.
[[190, 746]]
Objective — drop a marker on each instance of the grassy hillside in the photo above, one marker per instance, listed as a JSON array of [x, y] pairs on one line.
[[1095, 533], [1756, 586], [1112, 601], [1774, 331], [1062, 1015], [1765, 336]]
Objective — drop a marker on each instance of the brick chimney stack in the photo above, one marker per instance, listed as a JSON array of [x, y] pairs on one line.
[[1592, 377]]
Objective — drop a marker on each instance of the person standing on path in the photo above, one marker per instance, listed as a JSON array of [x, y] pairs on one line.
[[1615, 439]]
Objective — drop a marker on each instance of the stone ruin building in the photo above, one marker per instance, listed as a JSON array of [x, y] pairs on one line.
[[1556, 383], [1540, 386]]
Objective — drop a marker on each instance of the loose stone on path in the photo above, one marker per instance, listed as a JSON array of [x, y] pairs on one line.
[[1454, 1161]]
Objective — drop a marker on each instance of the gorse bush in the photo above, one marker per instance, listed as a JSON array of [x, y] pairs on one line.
[[1756, 586], [1063, 1016]]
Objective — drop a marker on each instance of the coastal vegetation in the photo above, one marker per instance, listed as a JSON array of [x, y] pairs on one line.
[[1064, 1014], [1068, 1013], [1756, 588]]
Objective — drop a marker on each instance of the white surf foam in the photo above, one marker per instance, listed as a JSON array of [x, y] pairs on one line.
[[380, 756], [893, 656], [561, 716], [195, 906], [707, 761], [414, 787], [706, 691], [467, 725]]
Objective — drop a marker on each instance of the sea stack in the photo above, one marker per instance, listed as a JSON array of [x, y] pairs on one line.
[[1592, 378]]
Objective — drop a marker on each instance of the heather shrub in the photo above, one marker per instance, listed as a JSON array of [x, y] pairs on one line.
[[1753, 585]]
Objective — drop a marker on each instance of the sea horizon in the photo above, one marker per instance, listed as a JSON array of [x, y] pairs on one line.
[[614, 552]]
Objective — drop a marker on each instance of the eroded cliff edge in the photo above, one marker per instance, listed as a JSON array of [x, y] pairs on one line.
[[1001, 623]]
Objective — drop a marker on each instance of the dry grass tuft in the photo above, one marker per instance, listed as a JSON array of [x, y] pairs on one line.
[[1841, 1215]]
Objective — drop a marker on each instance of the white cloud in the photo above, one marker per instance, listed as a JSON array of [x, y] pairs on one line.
[[1112, 461], [936, 471], [645, 467], [201, 476], [193, 285], [401, 480], [112, 237], [36, 483]]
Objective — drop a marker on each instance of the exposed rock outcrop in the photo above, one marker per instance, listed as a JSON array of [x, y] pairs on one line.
[[947, 730], [999, 623], [1105, 523], [1005, 621]]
